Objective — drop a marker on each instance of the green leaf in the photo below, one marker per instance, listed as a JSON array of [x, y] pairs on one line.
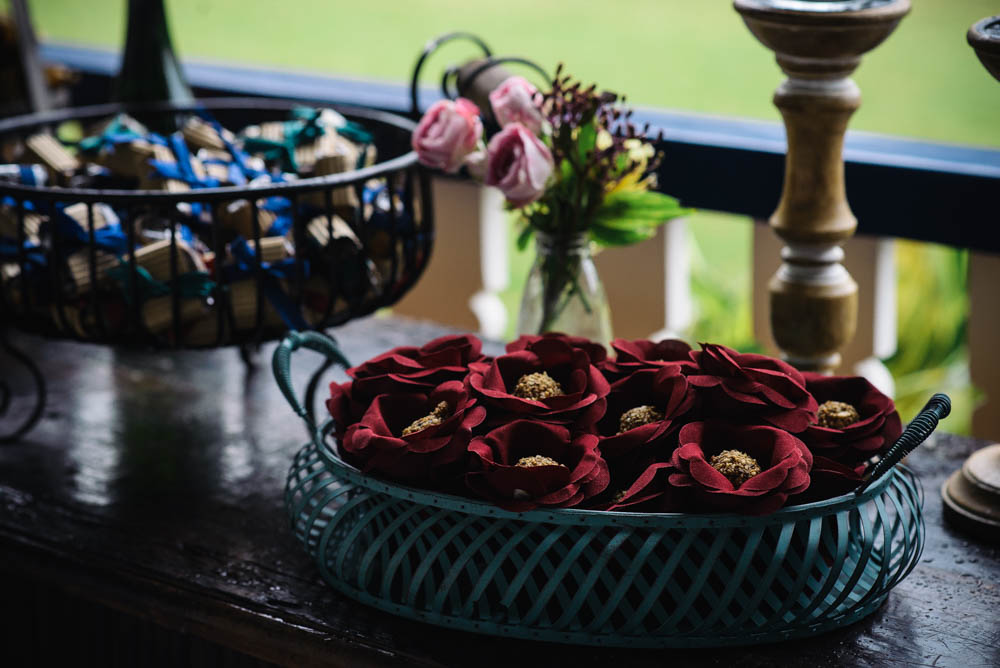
[[640, 204], [608, 236], [586, 140], [565, 171], [524, 238], [627, 217]]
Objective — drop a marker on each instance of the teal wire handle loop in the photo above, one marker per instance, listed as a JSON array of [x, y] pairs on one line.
[[937, 408], [281, 364]]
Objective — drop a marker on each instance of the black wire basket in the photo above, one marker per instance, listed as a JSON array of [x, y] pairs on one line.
[[361, 238], [351, 241]]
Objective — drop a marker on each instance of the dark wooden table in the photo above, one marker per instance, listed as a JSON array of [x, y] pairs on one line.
[[141, 523]]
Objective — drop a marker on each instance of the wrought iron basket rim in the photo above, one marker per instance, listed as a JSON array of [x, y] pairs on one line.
[[30, 121], [574, 516]]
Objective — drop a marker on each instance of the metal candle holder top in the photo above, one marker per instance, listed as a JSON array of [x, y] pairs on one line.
[[984, 37], [818, 45]]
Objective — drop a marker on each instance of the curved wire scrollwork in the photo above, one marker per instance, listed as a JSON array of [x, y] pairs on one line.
[[451, 75], [7, 393], [429, 48], [450, 87]]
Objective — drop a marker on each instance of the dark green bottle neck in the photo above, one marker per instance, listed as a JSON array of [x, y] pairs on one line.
[[150, 71]]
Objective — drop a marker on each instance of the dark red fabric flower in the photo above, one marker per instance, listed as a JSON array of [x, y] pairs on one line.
[[877, 429], [427, 457], [580, 471], [663, 389], [644, 354], [639, 483], [751, 388], [784, 463], [402, 370], [583, 387], [828, 479], [597, 352]]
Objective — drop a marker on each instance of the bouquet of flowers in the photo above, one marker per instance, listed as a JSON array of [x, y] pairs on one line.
[[570, 161], [556, 423]]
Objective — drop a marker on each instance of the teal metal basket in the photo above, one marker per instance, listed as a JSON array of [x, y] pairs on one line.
[[603, 578]]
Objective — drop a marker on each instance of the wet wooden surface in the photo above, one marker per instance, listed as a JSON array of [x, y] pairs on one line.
[[152, 491]]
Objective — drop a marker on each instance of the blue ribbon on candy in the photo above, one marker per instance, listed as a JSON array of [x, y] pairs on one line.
[[240, 158], [282, 207], [181, 170], [27, 175], [33, 256], [245, 256], [111, 237]]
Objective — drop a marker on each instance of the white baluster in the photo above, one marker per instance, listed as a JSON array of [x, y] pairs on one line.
[[495, 263], [678, 306]]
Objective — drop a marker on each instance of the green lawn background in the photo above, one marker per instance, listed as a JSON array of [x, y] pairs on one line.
[[697, 55]]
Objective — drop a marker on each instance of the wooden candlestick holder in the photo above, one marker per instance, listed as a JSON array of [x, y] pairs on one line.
[[971, 496], [814, 300]]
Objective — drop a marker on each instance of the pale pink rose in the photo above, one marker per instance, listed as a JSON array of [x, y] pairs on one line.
[[447, 133], [517, 101], [519, 164]]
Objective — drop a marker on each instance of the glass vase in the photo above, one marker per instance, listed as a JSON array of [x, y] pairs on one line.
[[563, 292]]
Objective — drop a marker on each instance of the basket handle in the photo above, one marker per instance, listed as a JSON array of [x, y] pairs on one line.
[[281, 363], [937, 408]]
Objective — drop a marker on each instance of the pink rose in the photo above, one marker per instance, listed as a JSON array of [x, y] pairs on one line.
[[447, 133], [517, 101], [519, 164]]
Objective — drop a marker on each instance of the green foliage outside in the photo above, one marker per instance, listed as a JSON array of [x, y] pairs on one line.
[[685, 54]]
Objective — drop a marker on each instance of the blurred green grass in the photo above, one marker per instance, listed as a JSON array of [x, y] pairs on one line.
[[924, 81]]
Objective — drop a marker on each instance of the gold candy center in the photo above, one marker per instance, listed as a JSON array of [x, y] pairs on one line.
[[638, 416], [537, 386], [837, 415], [436, 416], [738, 467], [537, 460]]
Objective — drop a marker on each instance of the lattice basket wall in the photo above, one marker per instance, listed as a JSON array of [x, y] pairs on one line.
[[604, 578]]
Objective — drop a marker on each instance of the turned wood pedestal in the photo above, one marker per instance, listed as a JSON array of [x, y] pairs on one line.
[[813, 299]]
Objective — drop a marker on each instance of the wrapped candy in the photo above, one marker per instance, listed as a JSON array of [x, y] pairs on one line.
[[200, 134], [46, 149], [9, 224], [74, 218], [105, 270], [238, 217]]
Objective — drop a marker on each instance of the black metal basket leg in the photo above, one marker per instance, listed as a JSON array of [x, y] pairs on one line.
[[9, 435]]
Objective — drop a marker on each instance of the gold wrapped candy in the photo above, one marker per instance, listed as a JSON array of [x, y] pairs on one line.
[[127, 159], [78, 262], [243, 298], [199, 134], [46, 150], [155, 258], [318, 231], [8, 224], [158, 312], [238, 217]]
